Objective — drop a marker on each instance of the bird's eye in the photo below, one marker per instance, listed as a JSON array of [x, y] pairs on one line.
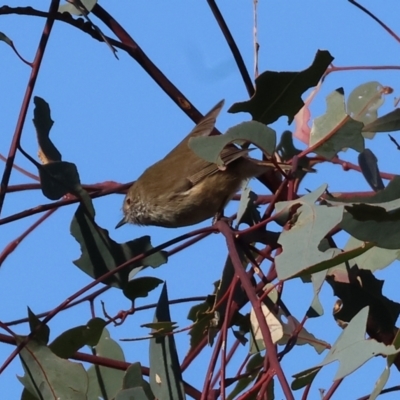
[[128, 201]]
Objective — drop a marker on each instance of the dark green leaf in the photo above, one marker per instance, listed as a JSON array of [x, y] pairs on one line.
[[59, 178], [70, 341], [304, 378], [133, 379], [101, 254], [165, 373], [389, 122], [6, 39], [335, 130], [279, 93], [369, 168], [210, 147], [41, 331], [141, 287]]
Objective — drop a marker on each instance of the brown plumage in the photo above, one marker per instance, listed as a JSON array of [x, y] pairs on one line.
[[182, 189]]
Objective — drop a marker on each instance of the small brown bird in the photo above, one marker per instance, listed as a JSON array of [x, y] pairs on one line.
[[182, 189]]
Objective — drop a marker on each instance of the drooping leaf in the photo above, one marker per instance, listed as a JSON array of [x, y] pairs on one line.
[[111, 378], [363, 104], [369, 168], [165, 373], [140, 287], [133, 378], [279, 93], [70, 341], [101, 254], [52, 376], [304, 378], [43, 123], [210, 147], [389, 122], [335, 130], [59, 178], [281, 328]]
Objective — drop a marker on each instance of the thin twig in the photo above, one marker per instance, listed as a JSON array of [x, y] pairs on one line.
[[375, 18], [233, 46]]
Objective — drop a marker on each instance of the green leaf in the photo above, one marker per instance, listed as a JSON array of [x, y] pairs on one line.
[[70, 341], [210, 147], [374, 259], [48, 376], [389, 122], [352, 350], [89, 4], [133, 378], [165, 373], [111, 378], [363, 104], [304, 378], [136, 393], [41, 331], [279, 93], [101, 254], [141, 287], [377, 224], [309, 225], [335, 130], [4, 38], [160, 328]]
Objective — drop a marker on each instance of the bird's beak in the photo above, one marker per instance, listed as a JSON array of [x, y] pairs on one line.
[[120, 223]]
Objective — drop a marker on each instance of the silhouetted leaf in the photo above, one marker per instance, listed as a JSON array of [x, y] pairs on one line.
[[140, 287], [54, 377], [363, 104], [165, 372], [389, 122], [70, 341], [58, 179], [279, 93], [304, 378], [43, 123], [210, 147], [369, 168], [101, 254], [335, 130]]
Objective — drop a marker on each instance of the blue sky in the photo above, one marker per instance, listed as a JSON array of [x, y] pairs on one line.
[[113, 121]]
